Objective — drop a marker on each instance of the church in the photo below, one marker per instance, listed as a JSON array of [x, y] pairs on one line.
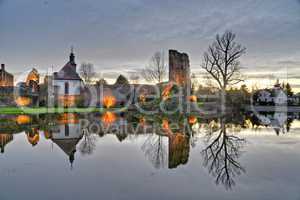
[[67, 83]]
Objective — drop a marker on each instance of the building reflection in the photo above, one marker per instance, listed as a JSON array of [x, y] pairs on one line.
[[280, 122], [67, 134], [33, 136], [179, 149], [168, 142], [170, 146], [4, 140]]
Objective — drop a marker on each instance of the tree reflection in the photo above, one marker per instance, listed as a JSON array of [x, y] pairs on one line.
[[88, 143], [222, 154], [155, 150]]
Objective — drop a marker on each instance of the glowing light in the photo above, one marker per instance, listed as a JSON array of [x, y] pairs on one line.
[[23, 119], [142, 121], [68, 118], [23, 101], [193, 119], [67, 100], [109, 101], [165, 124], [167, 90], [108, 118], [193, 98], [142, 98]]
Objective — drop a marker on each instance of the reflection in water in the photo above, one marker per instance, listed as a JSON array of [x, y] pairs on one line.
[[221, 155], [23, 119], [173, 154], [33, 136], [172, 150], [88, 143], [279, 121], [108, 118], [155, 149], [165, 146], [4, 140], [67, 135], [179, 149]]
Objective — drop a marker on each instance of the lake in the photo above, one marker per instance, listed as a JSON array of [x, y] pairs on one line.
[[109, 156]]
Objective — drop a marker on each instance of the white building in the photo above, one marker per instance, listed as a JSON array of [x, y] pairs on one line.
[[275, 96], [67, 83]]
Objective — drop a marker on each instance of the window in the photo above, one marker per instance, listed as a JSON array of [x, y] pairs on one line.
[[66, 88], [67, 131]]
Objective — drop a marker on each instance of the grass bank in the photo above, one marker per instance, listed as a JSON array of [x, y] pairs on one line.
[[44, 110]]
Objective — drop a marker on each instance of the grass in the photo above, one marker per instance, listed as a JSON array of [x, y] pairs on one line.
[[44, 110]]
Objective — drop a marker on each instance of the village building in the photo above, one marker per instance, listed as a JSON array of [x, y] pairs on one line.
[[275, 96], [27, 92], [67, 83], [6, 79], [6, 88]]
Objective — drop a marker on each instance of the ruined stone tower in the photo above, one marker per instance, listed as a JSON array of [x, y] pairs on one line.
[[179, 68]]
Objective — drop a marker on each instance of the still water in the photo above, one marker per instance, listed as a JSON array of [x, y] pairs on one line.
[[63, 157]]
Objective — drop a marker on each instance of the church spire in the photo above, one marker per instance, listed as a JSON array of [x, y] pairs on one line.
[[72, 56]]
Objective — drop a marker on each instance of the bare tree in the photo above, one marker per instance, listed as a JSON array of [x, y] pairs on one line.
[[87, 72], [221, 60], [156, 70]]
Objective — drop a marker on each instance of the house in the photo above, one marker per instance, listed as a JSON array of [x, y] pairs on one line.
[[6, 79], [67, 83], [274, 96], [27, 92]]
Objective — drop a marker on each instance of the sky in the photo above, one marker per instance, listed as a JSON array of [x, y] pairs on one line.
[[120, 36]]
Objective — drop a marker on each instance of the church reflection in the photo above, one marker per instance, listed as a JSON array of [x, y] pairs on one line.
[[67, 134]]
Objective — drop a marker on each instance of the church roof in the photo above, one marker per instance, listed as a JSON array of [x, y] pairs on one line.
[[68, 72]]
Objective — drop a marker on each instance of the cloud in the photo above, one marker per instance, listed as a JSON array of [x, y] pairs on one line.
[[289, 62], [113, 33]]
